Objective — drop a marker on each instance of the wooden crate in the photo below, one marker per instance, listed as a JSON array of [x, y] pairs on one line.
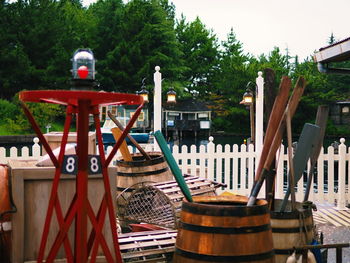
[[54, 140], [31, 187]]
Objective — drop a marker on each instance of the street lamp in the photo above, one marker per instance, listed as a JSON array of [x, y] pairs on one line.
[[144, 92], [171, 96], [248, 101]]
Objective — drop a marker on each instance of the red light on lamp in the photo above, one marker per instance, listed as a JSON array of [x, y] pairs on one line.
[[83, 72]]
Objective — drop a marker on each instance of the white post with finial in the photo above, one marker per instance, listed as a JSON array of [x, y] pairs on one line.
[[341, 198], [259, 116], [157, 104]]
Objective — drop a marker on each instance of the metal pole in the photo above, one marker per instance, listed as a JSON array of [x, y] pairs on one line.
[[252, 123], [157, 105]]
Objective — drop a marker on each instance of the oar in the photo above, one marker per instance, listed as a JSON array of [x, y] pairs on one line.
[[291, 177], [133, 141], [123, 147], [321, 121], [274, 121], [173, 165], [306, 143], [292, 106]]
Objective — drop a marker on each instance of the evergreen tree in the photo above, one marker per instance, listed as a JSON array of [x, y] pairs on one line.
[[148, 40], [200, 54], [231, 78]]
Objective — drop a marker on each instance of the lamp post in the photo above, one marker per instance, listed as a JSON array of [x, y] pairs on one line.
[[257, 127], [157, 101], [248, 100]]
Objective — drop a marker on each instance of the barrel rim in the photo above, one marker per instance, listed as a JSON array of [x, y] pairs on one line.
[[291, 214], [304, 211], [197, 206], [156, 158]]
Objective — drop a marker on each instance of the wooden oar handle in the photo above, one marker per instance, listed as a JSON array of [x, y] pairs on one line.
[[292, 106], [276, 115]]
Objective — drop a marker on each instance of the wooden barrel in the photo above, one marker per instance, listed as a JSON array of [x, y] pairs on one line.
[[141, 170], [290, 229], [224, 229], [5, 215]]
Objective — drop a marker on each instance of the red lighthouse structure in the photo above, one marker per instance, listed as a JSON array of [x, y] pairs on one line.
[[81, 103]]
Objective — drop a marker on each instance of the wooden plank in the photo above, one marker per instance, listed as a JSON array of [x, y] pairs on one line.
[[329, 219], [333, 214], [124, 150], [144, 253], [146, 244]]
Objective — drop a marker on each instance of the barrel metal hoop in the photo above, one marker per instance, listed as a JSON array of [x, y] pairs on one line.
[[141, 162], [284, 251], [212, 258], [212, 210], [291, 214], [291, 230], [224, 230], [143, 173]]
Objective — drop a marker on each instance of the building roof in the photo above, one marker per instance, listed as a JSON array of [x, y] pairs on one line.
[[187, 105], [336, 52]]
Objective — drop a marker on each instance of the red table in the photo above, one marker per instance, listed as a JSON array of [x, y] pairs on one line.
[[81, 104]]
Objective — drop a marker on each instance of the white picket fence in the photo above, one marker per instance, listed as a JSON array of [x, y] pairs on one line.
[[234, 166]]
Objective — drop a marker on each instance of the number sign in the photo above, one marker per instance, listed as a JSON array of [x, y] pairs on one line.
[[70, 164]]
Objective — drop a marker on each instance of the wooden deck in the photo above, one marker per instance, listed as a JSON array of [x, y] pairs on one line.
[[328, 214]]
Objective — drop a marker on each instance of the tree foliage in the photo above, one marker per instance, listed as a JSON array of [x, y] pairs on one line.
[[130, 38]]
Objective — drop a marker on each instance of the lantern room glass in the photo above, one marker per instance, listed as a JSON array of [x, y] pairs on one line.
[[83, 57]]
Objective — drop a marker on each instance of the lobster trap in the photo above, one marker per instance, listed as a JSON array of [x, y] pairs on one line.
[[148, 246], [160, 203]]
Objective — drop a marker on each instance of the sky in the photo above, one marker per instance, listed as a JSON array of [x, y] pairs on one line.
[[301, 26]]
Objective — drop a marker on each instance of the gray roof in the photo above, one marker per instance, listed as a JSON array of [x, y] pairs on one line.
[[337, 52]]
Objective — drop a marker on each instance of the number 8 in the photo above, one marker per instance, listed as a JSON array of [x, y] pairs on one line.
[[94, 164], [70, 164]]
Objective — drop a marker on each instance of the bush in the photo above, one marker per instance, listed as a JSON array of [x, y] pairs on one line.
[[7, 109]]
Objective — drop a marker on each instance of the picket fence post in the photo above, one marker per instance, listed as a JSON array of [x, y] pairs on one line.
[[36, 151], [211, 157], [341, 175]]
